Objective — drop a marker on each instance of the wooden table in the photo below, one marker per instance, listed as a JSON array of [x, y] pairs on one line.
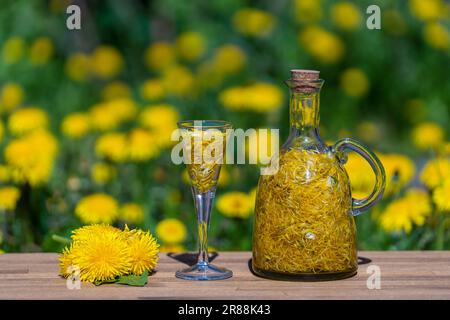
[[404, 275]]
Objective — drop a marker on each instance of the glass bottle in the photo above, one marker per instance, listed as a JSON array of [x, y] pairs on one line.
[[303, 225]]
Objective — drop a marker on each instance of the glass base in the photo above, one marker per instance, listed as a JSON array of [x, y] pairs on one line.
[[204, 271], [308, 277]]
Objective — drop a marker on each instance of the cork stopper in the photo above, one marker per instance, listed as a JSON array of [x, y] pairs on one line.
[[305, 75]]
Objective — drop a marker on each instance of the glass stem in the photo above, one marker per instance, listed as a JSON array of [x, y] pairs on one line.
[[203, 205]]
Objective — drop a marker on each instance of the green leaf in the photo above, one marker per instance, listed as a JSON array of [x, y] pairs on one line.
[[99, 282], [134, 280]]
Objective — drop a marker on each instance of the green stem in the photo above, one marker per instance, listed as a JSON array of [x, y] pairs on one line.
[[59, 239]]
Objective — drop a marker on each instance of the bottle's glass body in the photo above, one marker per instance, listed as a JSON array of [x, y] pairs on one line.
[[304, 227]]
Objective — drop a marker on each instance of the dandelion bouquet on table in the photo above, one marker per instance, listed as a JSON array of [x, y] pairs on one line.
[[105, 254]]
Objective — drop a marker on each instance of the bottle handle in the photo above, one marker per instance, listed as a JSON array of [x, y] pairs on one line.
[[340, 148]]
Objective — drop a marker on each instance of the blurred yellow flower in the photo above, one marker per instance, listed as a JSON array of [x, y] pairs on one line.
[[441, 196], [259, 97], [235, 205], [253, 22], [102, 173], [11, 96], [132, 213], [2, 130], [8, 198], [27, 120], [97, 208], [252, 195], [160, 55], [178, 80], [346, 15], [399, 170], [229, 59], [437, 35], [4, 173], [30, 158], [190, 45], [322, 44], [428, 135], [153, 89], [142, 145], [143, 251], [175, 248], [402, 214], [106, 62], [41, 50], [13, 49], [208, 76], [76, 125], [161, 120], [171, 231], [354, 82], [77, 67], [394, 23], [116, 90], [112, 146], [308, 11], [109, 115], [435, 172], [427, 10]]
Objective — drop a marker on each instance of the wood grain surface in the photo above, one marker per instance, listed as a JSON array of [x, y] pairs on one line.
[[404, 275]]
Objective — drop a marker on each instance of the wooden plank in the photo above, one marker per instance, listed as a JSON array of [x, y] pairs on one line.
[[404, 275]]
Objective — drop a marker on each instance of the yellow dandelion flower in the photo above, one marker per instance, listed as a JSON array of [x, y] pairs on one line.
[[106, 62], [178, 80], [77, 67], [161, 120], [30, 158], [159, 55], [97, 208], [354, 82], [435, 172], [235, 205], [437, 35], [171, 231], [427, 10], [441, 196], [173, 248], [13, 49], [142, 145], [41, 50], [253, 22], [116, 90], [259, 97], [102, 173], [105, 257], [27, 120], [66, 262], [399, 170], [76, 125], [112, 146], [122, 109], [143, 251], [190, 45], [322, 44], [428, 135], [346, 15], [404, 213], [11, 96], [132, 213], [4, 173], [102, 119], [8, 198], [229, 59], [84, 234], [153, 89], [308, 11]]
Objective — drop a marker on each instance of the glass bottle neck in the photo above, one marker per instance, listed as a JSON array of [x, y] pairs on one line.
[[304, 113]]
